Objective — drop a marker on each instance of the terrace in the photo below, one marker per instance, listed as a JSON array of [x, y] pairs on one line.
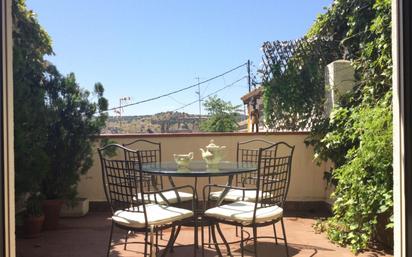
[[348, 111], [306, 202]]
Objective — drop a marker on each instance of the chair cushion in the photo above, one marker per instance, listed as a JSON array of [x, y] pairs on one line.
[[242, 212], [237, 195], [156, 215], [169, 195]]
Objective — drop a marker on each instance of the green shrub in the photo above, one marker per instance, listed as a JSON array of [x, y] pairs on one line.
[[364, 188]]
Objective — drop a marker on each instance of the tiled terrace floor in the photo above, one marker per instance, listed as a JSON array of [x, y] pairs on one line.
[[87, 237]]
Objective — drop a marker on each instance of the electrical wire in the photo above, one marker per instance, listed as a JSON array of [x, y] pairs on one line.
[[174, 99], [178, 91], [213, 93]]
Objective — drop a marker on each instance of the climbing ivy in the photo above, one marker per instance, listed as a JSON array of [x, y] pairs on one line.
[[293, 82], [357, 137], [364, 189]]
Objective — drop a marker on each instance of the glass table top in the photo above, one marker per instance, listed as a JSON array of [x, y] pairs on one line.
[[198, 169]]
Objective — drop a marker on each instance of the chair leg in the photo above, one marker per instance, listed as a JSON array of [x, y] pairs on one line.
[[145, 243], [242, 252], [152, 253], [172, 234], [237, 234], [215, 241], [274, 232], [210, 236], [174, 239], [255, 242], [202, 238], [223, 239], [110, 240], [125, 240], [157, 241], [196, 235], [284, 236]]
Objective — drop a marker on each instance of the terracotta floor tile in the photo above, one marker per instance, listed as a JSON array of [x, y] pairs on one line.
[[88, 237]]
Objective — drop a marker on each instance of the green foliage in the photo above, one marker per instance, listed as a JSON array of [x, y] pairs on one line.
[[294, 82], [364, 190], [363, 30], [30, 44], [223, 116], [54, 120], [358, 135], [73, 121], [34, 205]]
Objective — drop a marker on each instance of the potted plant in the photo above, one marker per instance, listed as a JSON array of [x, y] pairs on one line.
[[73, 123], [34, 217]]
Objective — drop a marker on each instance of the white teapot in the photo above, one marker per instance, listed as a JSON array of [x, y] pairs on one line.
[[213, 154]]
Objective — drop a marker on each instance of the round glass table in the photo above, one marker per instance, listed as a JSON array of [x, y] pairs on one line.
[[199, 169]]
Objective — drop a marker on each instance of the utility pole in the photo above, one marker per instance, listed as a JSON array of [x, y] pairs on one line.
[[200, 99], [248, 76], [120, 111]]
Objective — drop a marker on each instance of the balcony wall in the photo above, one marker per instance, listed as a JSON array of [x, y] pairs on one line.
[[307, 183]]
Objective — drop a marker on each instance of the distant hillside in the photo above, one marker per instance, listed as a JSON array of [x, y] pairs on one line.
[[164, 122]]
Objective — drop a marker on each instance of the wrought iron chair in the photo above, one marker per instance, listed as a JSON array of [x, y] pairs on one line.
[[151, 152], [123, 181], [271, 188], [247, 153]]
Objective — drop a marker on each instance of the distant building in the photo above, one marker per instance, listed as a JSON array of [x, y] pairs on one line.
[[254, 96]]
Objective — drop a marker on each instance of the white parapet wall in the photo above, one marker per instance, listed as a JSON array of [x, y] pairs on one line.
[[307, 183], [339, 80]]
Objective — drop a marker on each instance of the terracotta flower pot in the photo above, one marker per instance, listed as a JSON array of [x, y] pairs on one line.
[[33, 226], [51, 209]]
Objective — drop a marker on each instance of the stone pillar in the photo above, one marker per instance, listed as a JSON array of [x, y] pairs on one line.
[[339, 79]]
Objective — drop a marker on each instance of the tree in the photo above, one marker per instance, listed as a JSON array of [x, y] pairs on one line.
[[73, 121], [223, 116], [55, 120], [30, 44]]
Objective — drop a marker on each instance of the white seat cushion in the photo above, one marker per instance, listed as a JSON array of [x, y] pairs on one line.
[[242, 212], [169, 195], [156, 215], [237, 195]]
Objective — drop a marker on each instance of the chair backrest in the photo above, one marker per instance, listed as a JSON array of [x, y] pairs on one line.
[[248, 152], [150, 152], [273, 175], [122, 180]]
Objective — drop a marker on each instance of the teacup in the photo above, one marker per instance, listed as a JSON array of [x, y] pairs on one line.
[[183, 160]]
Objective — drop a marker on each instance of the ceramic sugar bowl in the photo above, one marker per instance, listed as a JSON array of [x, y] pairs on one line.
[[183, 160]]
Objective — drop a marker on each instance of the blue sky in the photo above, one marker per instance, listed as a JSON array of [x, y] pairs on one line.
[[143, 49]]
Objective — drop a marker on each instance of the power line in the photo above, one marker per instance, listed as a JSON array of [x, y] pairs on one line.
[[174, 99], [215, 92], [180, 90]]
